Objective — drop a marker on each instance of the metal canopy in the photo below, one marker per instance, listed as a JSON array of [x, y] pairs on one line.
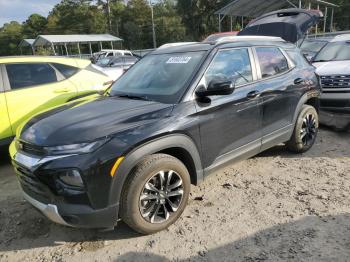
[[255, 8], [45, 40], [26, 42]]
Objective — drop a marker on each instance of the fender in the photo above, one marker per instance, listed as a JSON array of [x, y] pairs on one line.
[[303, 100], [151, 147]]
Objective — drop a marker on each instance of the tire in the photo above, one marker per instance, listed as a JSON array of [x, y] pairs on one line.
[[305, 130], [148, 186]]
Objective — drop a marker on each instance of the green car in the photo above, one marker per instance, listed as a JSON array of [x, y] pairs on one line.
[[31, 84]]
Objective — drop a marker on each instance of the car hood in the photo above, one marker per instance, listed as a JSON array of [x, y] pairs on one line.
[[289, 24], [90, 120], [333, 68]]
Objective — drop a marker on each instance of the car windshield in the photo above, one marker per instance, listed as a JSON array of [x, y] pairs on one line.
[[336, 51], [103, 61], [312, 46], [159, 77]]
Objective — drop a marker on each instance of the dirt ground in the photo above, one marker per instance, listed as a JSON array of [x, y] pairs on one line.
[[274, 207]]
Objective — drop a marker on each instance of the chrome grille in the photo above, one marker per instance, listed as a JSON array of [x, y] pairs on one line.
[[336, 81], [30, 149]]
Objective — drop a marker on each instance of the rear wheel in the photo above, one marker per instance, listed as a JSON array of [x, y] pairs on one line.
[[305, 130], [155, 194]]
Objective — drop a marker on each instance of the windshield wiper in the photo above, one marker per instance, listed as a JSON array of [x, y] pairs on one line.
[[136, 97], [320, 61]]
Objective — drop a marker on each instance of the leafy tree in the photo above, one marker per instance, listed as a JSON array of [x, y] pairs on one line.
[[136, 25], [76, 17], [34, 26], [10, 37], [168, 24], [198, 16]]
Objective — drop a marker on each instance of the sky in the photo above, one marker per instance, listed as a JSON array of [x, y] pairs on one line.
[[19, 10]]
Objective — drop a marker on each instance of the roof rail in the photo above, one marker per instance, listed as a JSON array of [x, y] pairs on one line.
[[245, 38]]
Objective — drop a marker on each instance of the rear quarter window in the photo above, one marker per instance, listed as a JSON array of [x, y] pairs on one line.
[[272, 61], [66, 70], [298, 58]]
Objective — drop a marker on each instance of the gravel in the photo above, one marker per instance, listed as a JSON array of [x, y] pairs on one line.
[[274, 207]]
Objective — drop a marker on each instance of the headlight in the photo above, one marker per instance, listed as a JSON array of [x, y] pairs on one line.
[[82, 148]]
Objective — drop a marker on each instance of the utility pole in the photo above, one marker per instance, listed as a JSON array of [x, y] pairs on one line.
[[153, 29], [109, 17]]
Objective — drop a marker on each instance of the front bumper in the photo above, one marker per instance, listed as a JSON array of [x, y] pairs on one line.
[[76, 210], [49, 210]]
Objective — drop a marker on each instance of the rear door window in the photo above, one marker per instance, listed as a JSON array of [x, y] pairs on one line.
[[272, 61], [31, 74], [231, 65]]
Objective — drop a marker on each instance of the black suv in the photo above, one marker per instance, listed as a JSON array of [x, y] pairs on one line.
[[178, 115]]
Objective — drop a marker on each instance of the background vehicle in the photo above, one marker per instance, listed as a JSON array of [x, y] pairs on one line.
[[311, 46], [333, 66], [115, 66], [217, 36], [109, 53], [32, 84]]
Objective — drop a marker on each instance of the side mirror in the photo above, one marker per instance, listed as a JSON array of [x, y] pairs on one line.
[[216, 88]]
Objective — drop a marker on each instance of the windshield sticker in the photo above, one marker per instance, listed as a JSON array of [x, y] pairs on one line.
[[178, 60]]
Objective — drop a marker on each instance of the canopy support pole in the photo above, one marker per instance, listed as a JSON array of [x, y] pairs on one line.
[[299, 3], [33, 50], [101, 46], [219, 23], [20, 48], [231, 23], [242, 26], [90, 49], [65, 46], [325, 20], [316, 29], [79, 50], [332, 17], [53, 49], [112, 44]]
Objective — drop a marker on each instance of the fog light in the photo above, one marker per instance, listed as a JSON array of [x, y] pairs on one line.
[[72, 178]]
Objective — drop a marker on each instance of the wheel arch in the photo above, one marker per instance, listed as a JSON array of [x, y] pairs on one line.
[[178, 145], [310, 98]]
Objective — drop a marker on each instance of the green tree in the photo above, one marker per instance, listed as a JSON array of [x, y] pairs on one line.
[[34, 26], [168, 24], [76, 17], [10, 37], [198, 16], [136, 25]]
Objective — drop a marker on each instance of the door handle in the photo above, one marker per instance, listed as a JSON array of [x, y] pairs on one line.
[[61, 90], [253, 94], [298, 81]]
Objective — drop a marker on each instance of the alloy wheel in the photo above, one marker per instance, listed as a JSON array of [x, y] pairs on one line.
[[308, 129], [161, 196]]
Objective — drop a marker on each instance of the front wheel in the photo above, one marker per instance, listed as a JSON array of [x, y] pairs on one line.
[[155, 194], [305, 130]]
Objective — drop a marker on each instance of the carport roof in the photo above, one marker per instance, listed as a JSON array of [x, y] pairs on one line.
[[255, 8], [42, 40], [26, 42]]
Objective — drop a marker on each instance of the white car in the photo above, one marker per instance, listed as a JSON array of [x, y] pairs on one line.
[[333, 67]]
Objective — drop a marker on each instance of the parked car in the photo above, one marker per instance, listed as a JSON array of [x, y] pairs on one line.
[[217, 36], [109, 53], [115, 66], [333, 66], [175, 117], [32, 84], [311, 46]]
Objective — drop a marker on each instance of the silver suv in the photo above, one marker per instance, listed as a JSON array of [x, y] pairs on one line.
[[333, 67]]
